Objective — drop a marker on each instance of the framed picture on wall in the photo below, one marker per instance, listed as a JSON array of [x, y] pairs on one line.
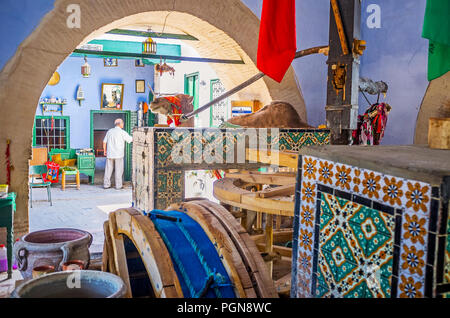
[[139, 63], [110, 62], [112, 96], [140, 86]]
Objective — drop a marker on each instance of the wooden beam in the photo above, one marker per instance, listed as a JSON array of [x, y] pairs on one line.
[[278, 191], [156, 35], [273, 178], [340, 26], [283, 251], [269, 241], [158, 56], [282, 158], [281, 236], [120, 258], [226, 191], [283, 285]]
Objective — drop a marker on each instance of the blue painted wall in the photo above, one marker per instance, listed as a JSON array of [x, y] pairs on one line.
[[18, 19], [70, 72], [396, 53]]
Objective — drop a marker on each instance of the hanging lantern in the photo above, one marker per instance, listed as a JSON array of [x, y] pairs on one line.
[[149, 46], [85, 68]]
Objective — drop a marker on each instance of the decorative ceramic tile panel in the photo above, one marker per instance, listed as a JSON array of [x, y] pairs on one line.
[[158, 180], [363, 233], [355, 249]]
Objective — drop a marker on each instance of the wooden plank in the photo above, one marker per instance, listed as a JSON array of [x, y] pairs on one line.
[[108, 243], [39, 156], [278, 191], [283, 285], [283, 251], [104, 267], [227, 191], [120, 258], [278, 158], [153, 252], [156, 257], [281, 236], [340, 27], [278, 222], [263, 178], [269, 240], [258, 220]]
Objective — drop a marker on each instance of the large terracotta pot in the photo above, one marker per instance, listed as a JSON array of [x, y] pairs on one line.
[[72, 284], [51, 247]]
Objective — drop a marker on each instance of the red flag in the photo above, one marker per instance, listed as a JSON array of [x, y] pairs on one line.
[[277, 38]]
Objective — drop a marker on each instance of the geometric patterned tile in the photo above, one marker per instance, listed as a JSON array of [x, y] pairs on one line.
[[366, 232], [411, 286], [355, 250]]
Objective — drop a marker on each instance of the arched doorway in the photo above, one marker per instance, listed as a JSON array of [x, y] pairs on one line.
[[225, 28]]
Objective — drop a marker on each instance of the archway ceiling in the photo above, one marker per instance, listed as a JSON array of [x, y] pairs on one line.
[[213, 43]]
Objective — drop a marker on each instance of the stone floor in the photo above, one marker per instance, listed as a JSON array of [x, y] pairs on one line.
[[84, 209]]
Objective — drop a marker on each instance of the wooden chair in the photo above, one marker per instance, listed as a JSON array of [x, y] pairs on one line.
[[39, 170]]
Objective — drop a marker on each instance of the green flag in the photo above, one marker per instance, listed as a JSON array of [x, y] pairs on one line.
[[436, 28]]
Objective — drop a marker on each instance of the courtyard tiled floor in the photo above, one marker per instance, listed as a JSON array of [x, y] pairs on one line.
[[84, 209]]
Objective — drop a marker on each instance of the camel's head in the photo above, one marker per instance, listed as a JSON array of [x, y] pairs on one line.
[[163, 105]]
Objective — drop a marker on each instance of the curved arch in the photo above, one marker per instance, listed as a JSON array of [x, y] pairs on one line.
[[224, 27]]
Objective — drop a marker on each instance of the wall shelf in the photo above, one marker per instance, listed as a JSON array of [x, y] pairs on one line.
[[45, 107]]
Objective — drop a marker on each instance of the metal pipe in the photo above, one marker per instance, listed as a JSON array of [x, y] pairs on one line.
[[313, 50]]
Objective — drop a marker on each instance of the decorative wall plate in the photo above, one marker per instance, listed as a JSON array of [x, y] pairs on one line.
[[54, 79]]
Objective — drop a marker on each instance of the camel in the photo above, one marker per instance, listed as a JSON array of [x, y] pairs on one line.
[[277, 114]]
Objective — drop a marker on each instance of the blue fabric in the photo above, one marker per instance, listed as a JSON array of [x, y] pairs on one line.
[[198, 266]]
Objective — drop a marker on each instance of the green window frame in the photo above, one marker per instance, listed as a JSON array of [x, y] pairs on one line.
[[52, 134], [195, 89]]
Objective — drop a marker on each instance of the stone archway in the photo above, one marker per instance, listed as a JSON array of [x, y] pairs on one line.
[[224, 26]]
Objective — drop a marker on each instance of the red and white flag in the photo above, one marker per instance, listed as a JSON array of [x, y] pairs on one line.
[[277, 38]]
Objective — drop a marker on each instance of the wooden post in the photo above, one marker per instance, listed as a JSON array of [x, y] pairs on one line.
[[343, 70], [278, 222], [269, 240], [63, 180], [258, 220], [244, 218]]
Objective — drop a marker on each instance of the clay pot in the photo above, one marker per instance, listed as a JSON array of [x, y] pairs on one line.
[[42, 270], [51, 247], [73, 265], [72, 284]]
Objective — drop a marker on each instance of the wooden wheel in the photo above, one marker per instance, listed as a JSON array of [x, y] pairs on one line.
[[238, 252], [241, 257], [141, 231]]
